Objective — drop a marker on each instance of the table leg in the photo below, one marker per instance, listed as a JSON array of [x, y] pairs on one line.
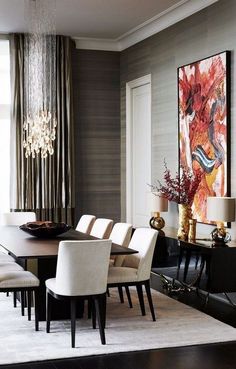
[[179, 262], [188, 254]]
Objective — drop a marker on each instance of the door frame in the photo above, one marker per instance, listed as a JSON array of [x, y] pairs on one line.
[[129, 136]]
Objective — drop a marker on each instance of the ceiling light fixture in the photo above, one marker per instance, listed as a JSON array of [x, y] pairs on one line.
[[39, 128]]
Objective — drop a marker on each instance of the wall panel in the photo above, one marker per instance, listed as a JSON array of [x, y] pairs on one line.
[[96, 78]]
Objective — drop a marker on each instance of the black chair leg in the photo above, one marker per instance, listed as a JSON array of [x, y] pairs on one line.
[[108, 292], [73, 320], [14, 300], [93, 310], [98, 303], [149, 296], [140, 297], [128, 296], [36, 309], [22, 298], [121, 294], [48, 311], [29, 304], [89, 308], [104, 309]]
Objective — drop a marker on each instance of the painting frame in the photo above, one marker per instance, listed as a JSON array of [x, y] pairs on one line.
[[197, 156]]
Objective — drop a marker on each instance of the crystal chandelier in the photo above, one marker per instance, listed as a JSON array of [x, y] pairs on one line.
[[39, 127]]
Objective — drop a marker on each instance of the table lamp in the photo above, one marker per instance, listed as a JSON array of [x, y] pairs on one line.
[[157, 204], [220, 210]]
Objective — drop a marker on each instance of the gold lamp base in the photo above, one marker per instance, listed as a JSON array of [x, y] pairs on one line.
[[157, 222]]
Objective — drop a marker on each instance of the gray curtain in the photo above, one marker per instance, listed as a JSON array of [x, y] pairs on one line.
[[45, 186]]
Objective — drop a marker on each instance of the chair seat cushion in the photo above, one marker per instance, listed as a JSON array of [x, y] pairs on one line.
[[5, 257], [17, 280], [51, 284], [122, 275], [9, 267]]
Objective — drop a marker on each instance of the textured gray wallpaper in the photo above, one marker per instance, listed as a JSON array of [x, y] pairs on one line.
[[96, 79], [99, 90], [205, 33]]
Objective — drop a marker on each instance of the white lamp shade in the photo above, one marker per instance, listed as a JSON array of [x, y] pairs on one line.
[[221, 209], [157, 203]]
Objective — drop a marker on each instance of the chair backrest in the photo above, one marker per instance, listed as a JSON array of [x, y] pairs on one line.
[[144, 241], [102, 228], [18, 218], [85, 223], [82, 267], [121, 234]]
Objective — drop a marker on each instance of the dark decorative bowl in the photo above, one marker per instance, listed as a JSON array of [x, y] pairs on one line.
[[47, 229]]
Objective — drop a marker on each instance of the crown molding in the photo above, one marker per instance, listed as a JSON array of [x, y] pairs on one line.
[[96, 44], [4, 36], [172, 15]]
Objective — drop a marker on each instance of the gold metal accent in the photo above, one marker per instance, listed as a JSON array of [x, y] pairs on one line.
[[192, 230], [220, 235], [157, 222], [185, 213]]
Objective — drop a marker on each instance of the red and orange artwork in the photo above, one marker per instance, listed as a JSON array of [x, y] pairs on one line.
[[203, 121]]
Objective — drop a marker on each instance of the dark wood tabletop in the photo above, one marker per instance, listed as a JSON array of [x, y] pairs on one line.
[[21, 245]]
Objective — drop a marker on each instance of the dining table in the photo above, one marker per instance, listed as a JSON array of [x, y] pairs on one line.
[[41, 255]]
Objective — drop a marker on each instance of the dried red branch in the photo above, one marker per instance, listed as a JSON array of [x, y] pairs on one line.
[[181, 188]]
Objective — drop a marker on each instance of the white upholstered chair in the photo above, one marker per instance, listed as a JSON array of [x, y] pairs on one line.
[[17, 218], [5, 258], [10, 267], [136, 268], [82, 268], [102, 228], [85, 223], [121, 234], [22, 281]]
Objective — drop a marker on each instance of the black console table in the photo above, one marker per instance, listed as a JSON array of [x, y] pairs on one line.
[[220, 261]]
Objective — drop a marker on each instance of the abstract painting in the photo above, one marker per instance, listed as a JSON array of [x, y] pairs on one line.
[[204, 100]]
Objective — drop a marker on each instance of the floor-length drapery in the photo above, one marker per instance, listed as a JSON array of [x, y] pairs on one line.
[[45, 186]]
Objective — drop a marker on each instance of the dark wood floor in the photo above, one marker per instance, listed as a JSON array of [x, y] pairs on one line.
[[212, 356], [215, 356]]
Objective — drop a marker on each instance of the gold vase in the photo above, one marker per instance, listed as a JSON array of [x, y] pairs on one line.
[[185, 213], [192, 230]]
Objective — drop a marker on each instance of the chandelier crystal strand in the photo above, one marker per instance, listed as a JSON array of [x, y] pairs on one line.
[[39, 128]]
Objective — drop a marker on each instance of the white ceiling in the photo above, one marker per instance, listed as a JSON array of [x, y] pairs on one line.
[[88, 18], [100, 19]]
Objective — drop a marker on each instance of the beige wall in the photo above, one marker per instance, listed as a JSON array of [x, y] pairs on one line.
[[205, 33]]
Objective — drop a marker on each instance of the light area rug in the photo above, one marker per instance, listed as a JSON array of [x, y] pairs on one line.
[[177, 325]]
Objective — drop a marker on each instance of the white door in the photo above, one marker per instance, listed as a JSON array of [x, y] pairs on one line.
[[138, 150]]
